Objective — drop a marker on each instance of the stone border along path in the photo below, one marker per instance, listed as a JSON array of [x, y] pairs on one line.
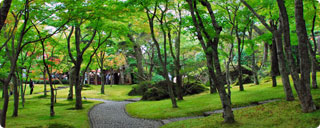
[[112, 114]]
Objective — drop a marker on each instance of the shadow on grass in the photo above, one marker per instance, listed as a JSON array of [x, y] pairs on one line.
[[57, 125], [83, 102], [35, 127], [317, 102], [41, 96]]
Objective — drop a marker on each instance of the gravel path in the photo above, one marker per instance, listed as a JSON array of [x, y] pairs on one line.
[[112, 114]]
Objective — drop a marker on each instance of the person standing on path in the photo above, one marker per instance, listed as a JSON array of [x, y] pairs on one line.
[[31, 85]]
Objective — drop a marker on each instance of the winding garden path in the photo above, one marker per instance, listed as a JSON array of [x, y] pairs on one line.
[[112, 114]]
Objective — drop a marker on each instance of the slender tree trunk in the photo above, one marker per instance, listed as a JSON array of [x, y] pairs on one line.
[[4, 11], [274, 63], [254, 69], [313, 51], [139, 58], [77, 84], [122, 74], [303, 90], [277, 35], [103, 80], [71, 83], [45, 82], [287, 43], [282, 65], [2, 94], [210, 62], [253, 58], [224, 97], [112, 77], [239, 63], [163, 61], [314, 66], [265, 54], [96, 77], [225, 101], [228, 78], [5, 103], [16, 96], [180, 85]]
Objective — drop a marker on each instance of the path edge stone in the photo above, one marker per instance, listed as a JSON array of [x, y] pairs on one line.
[[89, 116]]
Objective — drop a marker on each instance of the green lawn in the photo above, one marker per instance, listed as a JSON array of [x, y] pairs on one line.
[[281, 114], [197, 104], [36, 112], [116, 92]]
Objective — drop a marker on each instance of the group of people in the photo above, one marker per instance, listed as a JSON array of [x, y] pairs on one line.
[[31, 85]]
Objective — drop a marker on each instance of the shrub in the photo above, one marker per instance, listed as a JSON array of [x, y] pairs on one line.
[[155, 93], [193, 88], [140, 88], [159, 90]]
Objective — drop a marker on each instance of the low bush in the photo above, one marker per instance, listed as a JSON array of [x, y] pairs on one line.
[[139, 89], [193, 88], [158, 91]]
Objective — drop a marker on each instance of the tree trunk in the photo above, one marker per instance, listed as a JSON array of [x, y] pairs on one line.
[[122, 70], [4, 11], [163, 61], [103, 80], [265, 54], [314, 73], [225, 101], [253, 57], [77, 84], [179, 84], [112, 77], [224, 97], [313, 51], [213, 84], [285, 26], [16, 96], [52, 113], [239, 63], [5, 103], [71, 83], [44, 82], [274, 63], [303, 90], [96, 77], [254, 69], [139, 58], [282, 65]]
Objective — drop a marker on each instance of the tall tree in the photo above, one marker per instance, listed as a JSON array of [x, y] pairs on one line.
[[314, 63], [277, 35], [176, 53], [163, 59], [16, 48], [210, 45], [303, 89]]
